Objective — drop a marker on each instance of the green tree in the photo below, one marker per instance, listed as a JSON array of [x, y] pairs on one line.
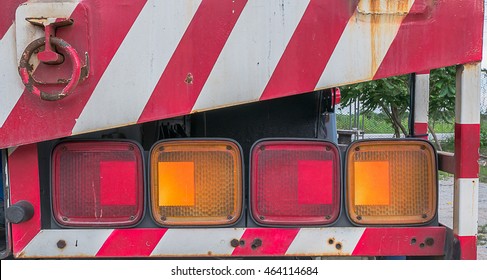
[[391, 95]]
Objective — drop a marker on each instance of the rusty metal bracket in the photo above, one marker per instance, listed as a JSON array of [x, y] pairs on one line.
[[49, 56], [78, 74]]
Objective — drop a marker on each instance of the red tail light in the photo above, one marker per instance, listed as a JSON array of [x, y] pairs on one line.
[[97, 183], [295, 182]]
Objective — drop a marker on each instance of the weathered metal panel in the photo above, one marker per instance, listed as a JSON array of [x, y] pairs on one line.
[[151, 60]]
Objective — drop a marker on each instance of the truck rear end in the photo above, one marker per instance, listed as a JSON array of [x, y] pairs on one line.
[[205, 128]]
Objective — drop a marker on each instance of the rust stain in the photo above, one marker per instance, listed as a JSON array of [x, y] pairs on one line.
[[383, 15], [383, 7], [189, 79]]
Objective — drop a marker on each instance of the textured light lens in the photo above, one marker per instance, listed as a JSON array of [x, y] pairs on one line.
[[97, 183], [391, 182], [196, 182], [295, 182]]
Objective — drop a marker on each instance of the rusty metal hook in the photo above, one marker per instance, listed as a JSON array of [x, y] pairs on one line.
[[26, 69]]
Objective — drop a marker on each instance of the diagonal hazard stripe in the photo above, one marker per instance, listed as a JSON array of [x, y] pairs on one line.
[[423, 44], [131, 243], [41, 120], [7, 14], [193, 60], [364, 43], [251, 53], [310, 48], [136, 68], [265, 242]]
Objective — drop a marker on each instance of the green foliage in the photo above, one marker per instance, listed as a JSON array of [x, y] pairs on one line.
[[391, 95], [377, 94], [442, 94], [483, 137]]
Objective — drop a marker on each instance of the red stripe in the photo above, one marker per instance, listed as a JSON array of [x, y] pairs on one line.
[[23, 171], [467, 144], [40, 120], [131, 243], [7, 14], [273, 242], [436, 34], [421, 129], [193, 60], [468, 247], [401, 242], [310, 48]]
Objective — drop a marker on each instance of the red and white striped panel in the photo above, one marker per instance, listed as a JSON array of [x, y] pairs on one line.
[[152, 59], [30, 241], [109, 243], [467, 144]]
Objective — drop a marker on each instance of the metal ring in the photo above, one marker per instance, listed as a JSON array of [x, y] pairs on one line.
[[26, 69]]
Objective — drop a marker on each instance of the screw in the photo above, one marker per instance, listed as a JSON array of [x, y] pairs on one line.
[[328, 148], [262, 218], [161, 149], [413, 241], [429, 241], [132, 218], [242, 242], [331, 241], [262, 148], [424, 216], [229, 217], [359, 218], [61, 244], [131, 148], [357, 149], [234, 243], [327, 217], [229, 147], [338, 246], [163, 218], [64, 148], [423, 148], [256, 243], [421, 245], [65, 219]]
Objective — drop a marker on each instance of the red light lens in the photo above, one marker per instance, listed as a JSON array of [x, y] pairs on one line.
[[295, 182], [97, 183]]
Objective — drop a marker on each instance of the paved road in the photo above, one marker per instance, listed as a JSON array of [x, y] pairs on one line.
[[446, 212]]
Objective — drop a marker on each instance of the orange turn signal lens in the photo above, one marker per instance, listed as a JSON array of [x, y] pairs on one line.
[[196, 182], [391, 182]]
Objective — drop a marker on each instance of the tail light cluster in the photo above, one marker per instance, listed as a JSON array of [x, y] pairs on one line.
[[295, 183], [199, 182], [196, 182], [97, 183], [391, 182]]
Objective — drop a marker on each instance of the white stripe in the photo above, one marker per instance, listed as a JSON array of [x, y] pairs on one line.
[[137, 66], [422, 88], [198, 242], [314, 241], [12, 45], [11, 86], [79, 243], [467, 101], [466, 202], [362, 47], [241, 74]]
